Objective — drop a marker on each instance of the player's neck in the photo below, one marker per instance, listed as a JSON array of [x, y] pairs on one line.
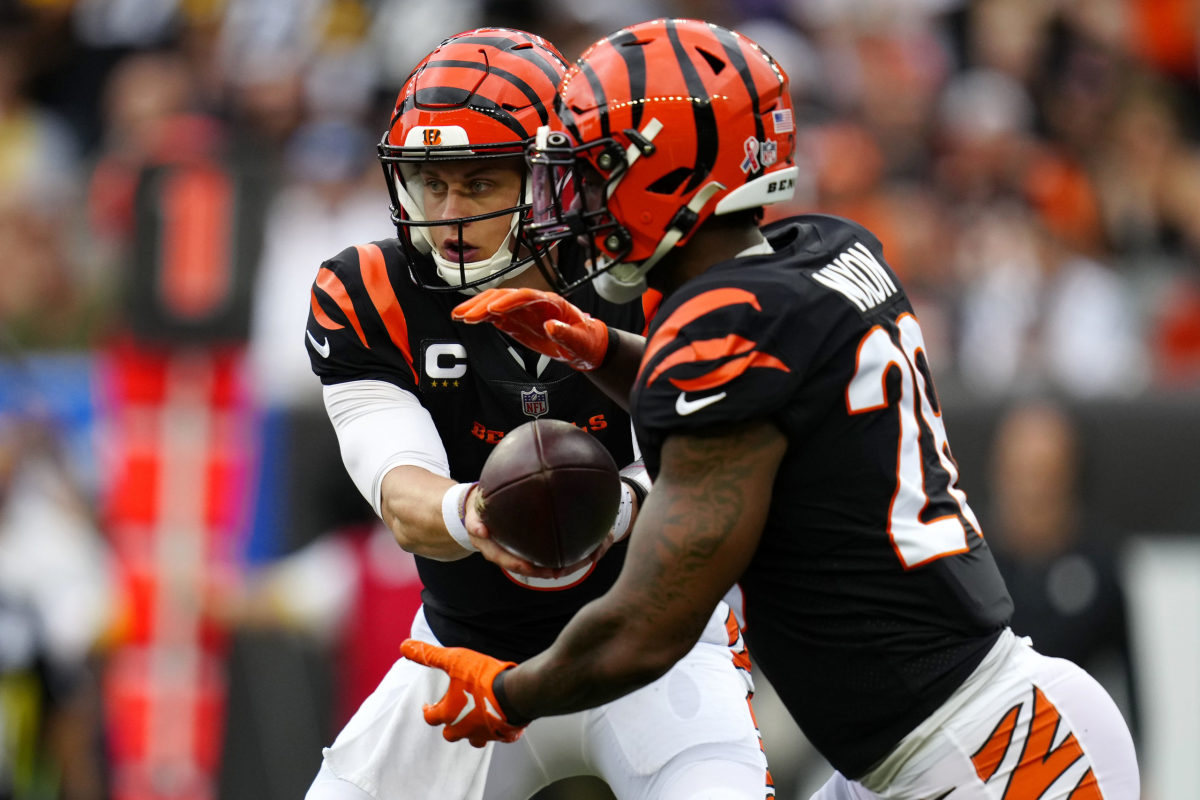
[[710, 245]]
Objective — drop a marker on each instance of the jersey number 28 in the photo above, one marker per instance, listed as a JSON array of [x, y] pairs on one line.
[[916, 541]]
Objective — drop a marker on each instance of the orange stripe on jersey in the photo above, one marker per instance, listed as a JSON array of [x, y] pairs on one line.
[[706, 350], [379, 287], [1040, 766], [713, 349], [651, 301], [693, 309], [324, 320], [332, 285], [987, 758]]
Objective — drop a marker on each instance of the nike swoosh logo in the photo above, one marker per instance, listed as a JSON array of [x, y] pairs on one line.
[[683, 406], [322, 348]]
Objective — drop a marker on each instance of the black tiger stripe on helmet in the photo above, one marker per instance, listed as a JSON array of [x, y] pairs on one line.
[[481, 94], [681, 119]]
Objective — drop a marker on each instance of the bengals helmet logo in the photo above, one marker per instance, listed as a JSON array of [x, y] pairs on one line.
[[432, 137]]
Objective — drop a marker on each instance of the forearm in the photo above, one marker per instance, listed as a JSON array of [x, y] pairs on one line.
[[411, 506], [605, 653], [616, 374], [695, 535]]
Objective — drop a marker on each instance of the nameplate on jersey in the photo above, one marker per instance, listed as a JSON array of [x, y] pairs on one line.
[[535, 401], [443, 364], [859, 277]]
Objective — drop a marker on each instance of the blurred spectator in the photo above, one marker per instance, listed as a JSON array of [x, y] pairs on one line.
[[39, 153], [46, 301], [1148, 178], [1037, 315], [1064, 579], [144, 93], [403, 31], [333, 195], [1007, 36], [56, 602], [983, 136]]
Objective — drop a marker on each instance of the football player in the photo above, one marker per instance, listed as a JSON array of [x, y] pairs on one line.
[[419, 401], [786, 409]]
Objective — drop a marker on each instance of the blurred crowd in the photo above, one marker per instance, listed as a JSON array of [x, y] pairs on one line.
[[1032, 168]]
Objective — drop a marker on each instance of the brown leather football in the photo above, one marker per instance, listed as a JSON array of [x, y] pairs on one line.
[[549, 493]]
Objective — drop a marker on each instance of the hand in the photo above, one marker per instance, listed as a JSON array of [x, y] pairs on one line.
[[471, 677], [542, 321], [481, 539]]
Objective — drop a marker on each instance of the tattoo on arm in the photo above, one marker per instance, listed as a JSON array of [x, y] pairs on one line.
[[693, 538], [710, 490]]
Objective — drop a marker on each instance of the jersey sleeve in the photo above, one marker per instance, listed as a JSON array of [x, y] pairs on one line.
[[380, 427], [357, 329], [726, 353]]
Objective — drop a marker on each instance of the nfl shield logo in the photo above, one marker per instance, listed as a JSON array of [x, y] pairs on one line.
[[535, 402]]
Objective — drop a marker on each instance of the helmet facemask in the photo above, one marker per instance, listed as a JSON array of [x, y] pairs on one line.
[[570, 203], [512, 256], [476, 99], [682, 120]]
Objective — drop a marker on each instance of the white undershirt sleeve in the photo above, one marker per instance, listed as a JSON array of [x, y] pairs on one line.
[[380, 426]]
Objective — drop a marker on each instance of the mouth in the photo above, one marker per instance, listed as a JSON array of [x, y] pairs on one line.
[[458, 250]]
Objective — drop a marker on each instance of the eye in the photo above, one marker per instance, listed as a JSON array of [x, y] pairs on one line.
[[434, 185], [480, 186]]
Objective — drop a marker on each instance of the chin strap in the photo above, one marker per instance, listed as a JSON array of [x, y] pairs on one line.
[[625, 282]]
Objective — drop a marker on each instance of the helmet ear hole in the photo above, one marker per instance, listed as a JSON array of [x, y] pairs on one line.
[[670, 183]]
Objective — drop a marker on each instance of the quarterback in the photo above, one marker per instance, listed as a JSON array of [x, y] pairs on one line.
[[419, 401]]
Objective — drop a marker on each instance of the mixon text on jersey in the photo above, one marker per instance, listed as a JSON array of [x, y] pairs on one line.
[[594, 423], [858, 276]]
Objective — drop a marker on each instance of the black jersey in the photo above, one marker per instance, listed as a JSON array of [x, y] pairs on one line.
[[368, 321], [872, 594]]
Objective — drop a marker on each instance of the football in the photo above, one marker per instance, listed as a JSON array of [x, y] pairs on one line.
[[549, 493]]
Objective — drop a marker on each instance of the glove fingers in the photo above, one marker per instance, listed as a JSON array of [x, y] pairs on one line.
[[440, 713], [583, 344], [540, 304], [561, 333], [424, 653], [447, 709], [472, 310], [516, 300]]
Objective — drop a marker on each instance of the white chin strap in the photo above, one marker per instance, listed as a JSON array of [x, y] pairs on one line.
[[627, 282], [454, 273], [624, 283]]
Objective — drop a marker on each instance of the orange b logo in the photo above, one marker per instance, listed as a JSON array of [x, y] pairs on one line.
[[433, 137]]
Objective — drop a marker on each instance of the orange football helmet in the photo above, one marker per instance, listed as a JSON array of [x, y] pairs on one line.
[[481, 94], [665, 123]]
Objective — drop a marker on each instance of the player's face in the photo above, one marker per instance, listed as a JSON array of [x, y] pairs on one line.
[[455, 189]]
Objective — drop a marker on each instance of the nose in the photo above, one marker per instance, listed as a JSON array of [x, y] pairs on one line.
[[457, 205]]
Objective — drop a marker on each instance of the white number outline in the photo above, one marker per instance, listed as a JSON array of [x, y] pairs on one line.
[[915, 542]]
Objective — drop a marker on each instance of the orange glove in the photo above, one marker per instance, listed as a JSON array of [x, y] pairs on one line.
[[469, 708], [542, 321]]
